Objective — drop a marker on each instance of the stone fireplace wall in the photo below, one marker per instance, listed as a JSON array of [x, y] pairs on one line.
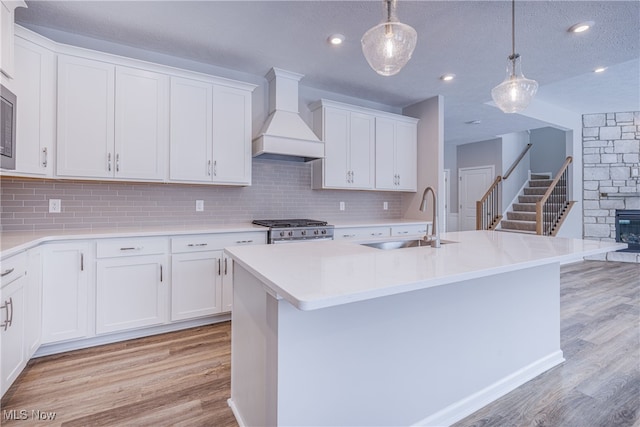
[[611, 165]]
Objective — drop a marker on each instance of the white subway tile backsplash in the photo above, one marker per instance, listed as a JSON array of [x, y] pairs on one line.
[[280, 189]]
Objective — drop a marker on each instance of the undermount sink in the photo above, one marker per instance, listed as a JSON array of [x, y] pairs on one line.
[[400, 244]]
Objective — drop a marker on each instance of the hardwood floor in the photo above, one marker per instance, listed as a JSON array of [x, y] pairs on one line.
[[183, 378], [175, 379]]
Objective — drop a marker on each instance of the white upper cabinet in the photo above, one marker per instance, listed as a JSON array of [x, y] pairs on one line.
[[231, 135], [396, 154], [349, 137], [141, 124], [85, 118], [191, 130], [7, 16], [210, 133], [34, 85], [112, 120]]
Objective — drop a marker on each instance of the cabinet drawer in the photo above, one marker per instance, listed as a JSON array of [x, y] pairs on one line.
[[13, 268], [211, 242], [409, 230], [110, 248], [361, 232]]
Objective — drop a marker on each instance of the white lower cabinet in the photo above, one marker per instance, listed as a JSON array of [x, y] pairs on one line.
[[361, 232], [201, 275], [66, 283], [132, 284], [33, 305], [12, 319], [196, 285]]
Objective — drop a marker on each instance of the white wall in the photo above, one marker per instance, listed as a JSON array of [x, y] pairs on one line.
[[549, 149], [512, 146], [430, 156]]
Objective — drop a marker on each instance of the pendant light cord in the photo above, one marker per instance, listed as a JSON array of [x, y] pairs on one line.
[[513, 28]]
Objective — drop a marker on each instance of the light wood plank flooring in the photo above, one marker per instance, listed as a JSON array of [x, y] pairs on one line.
[[183, 378]]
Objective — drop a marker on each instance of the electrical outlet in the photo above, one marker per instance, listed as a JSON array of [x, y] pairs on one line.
[[385, 206], [55, 205], [342, 207], [199, 205]]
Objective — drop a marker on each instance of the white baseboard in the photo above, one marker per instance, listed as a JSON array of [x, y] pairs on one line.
[[236, 413], [467, 406]]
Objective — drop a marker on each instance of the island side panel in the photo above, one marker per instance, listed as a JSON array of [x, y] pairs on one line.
[[253, 351], [426, 357]]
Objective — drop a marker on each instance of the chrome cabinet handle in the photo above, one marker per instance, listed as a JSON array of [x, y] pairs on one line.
[[44, 157], [241, 242], [348, 235], [403, 232], [160, 273], [197, 244], [219, 267], [109, 162], [209, 167], [225, 266], [118, 162], [376, 234], [137, 248], [8, 271], [8, 305], [81, 261], [215, 168]]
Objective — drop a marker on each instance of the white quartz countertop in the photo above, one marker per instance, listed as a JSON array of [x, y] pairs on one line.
[[313, 275], [14, 242]]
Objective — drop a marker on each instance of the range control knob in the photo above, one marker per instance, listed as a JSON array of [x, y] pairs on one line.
[[324, 231], [282, 234], [290, 233], [316, 232], [304, 232]]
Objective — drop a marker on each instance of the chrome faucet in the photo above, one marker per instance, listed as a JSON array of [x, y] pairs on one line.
[[435, 232]]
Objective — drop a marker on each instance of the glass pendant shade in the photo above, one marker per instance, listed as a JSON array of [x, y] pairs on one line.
[[516, 91], [389, 45]]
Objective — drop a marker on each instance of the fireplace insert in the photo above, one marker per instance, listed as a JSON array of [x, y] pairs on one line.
[[628, 229]]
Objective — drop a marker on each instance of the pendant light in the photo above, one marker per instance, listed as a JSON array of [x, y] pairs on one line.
[[388, 46], [516, 91]]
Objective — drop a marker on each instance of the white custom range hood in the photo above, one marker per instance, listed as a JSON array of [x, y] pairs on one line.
[[284, 134]]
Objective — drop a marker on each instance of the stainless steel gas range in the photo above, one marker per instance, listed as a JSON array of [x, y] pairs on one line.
[[296, 230]]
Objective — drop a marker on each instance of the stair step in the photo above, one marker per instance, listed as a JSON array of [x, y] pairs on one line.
[[540, 176], [535, 191], [529, 199], [518, 225], [524, 207], [522, 216], [540, 182]]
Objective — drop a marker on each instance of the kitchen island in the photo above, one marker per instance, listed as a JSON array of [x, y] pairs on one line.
[[338, 333]]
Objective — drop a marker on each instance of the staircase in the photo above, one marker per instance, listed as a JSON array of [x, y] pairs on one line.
[[522, 216]]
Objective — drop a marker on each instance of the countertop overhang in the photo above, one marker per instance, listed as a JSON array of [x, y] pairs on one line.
[[315, 275]]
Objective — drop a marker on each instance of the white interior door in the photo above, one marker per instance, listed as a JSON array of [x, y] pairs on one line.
[[474, 182]]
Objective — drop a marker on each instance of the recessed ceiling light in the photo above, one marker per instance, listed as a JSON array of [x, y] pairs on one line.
[[336, 39], [447, 77], [581, 27], [599, 69]]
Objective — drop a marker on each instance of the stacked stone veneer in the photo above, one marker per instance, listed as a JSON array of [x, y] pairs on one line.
[[611, 161]]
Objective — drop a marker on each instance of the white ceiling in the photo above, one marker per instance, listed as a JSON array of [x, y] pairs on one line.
[[469, 38]]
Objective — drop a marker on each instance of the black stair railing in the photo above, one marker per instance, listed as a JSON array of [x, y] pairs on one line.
[[552, 209]]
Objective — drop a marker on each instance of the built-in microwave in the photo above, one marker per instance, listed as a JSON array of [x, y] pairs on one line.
[[8, 112]]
